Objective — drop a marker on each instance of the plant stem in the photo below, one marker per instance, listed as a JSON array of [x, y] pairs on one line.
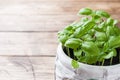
[[119, 57], [98, 63], [111, 61], [68, 52], [103, 62]]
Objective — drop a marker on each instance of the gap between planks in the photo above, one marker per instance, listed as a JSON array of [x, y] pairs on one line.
[[32, 44], [27, 68]]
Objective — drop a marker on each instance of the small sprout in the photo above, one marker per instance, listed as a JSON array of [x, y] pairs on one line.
[[75, 64]]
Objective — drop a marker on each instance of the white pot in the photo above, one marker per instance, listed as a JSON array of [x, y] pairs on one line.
[[64, 70]]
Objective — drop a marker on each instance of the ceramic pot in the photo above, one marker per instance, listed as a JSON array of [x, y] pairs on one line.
[[64, 70]]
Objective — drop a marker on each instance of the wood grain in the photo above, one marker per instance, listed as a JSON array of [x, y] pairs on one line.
[[42, 43], [29, 28], [18, 1], [47, 15], [27, 68]]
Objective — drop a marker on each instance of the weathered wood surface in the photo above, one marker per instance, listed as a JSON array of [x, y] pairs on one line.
[[32, 44], [29, 28], [26, 68], [25, 22], [46, 15]]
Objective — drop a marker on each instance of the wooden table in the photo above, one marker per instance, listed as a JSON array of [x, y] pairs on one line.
[[28, 34]]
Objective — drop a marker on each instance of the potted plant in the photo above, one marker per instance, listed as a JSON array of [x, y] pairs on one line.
[[89, 48]]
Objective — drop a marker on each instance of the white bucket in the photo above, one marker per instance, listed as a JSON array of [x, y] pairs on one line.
[[64, 70]]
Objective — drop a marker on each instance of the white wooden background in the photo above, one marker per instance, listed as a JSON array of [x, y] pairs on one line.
[[28, 34]]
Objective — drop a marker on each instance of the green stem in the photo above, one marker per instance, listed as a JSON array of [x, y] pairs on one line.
[[98, 63], [119, 57], [68, 52], [103, 62], [111, 61]]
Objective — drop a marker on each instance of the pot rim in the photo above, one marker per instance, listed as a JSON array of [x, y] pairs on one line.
[[94, 66]]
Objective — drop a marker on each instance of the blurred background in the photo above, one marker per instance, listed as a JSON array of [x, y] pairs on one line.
[[28, 34]]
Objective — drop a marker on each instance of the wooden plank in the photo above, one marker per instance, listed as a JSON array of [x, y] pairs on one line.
[[38, 8], [47, 16], [32, 44], [18, 1], [27, 68]]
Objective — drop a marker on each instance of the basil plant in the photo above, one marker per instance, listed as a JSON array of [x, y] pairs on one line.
[[94, 39]]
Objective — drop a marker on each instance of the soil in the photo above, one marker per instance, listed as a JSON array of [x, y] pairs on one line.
[[107, 61]]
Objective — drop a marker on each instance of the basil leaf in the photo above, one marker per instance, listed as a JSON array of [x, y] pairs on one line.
[[84, 29], [110, 21], [106, 47], [100, 36], [78, 52], [99, 43], [62, 38], [68, 28], [90, 48], [111, 54], [85, 11], [75, 64], [102, 13], [114, 42], [73, 43], [117, 30], [97, 18], [91, 59], [115, 22], [82, 59], [110, 31], [87, 37], [84, 19]]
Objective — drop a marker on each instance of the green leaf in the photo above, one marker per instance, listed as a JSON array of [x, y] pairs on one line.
[[84, 19], [111, 54], [78, 52], [68, 28], [114, 42], [110, 21], [62, 38], [106, 47], [75, 64], [87, 37], [97, 18], [73, 43], [91, 59], [110, 31], [85, 11], [99, 43], [117, 30], [84, 29], [115, 22], [90, 48], [100, 36], [91, 32], [102, 26], [82, 59], [102, 13]]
